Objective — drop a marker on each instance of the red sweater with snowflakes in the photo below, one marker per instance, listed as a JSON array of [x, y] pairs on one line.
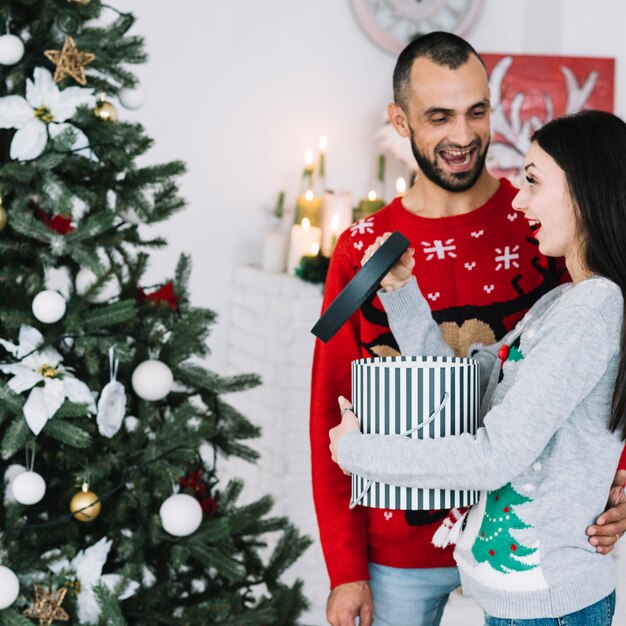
[[480, 272]]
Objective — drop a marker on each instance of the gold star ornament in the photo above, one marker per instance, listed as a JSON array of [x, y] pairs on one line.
[[70, 62], [47, 608]]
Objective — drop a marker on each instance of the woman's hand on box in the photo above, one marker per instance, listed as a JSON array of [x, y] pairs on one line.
[[400, 274], [349, 422]]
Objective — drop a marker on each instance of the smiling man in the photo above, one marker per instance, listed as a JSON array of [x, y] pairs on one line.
[[478, 265]]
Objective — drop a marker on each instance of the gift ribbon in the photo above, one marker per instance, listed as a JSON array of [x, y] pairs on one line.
[[368, 483]]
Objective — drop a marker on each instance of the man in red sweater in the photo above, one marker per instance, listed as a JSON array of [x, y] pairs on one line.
[[479, 267]]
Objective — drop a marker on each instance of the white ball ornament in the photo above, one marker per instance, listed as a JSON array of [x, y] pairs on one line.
[[48, 306], [9, 587], [28, 488], [11, 49], [85, 279], [152, 380], [181, 515], [133, 98]]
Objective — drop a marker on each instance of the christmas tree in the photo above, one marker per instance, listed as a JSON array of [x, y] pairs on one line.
[[110, 425], [495, 544]]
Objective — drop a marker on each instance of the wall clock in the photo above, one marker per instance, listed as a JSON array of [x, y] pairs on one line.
[[393, 23]]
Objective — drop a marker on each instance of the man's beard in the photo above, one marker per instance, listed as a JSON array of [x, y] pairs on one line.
[[450, 181]]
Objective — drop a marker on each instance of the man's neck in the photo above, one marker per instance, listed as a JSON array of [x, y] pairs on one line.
[[427, 199]]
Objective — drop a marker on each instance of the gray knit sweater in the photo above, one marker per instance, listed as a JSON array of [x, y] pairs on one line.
[[544, 457]]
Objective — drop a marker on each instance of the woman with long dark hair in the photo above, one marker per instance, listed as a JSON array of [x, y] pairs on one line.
[[547, 451]]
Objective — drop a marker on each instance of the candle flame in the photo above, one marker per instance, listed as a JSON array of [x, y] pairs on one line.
[[323, 143], [306, 223], [308, 195], [371, 195], [315, 248], [401, 185], [334, 223], [308, 157]]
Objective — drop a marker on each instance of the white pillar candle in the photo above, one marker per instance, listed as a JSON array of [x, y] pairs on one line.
[[303, 236], [275, 249], [336, 217]]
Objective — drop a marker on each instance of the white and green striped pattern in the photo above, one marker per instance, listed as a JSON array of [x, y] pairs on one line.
[[420, 396]]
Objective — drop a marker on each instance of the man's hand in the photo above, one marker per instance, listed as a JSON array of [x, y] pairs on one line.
[[611, 525], [348, 601]]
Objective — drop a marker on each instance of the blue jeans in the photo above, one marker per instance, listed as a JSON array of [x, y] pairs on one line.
[[598, 614], [411, 597]]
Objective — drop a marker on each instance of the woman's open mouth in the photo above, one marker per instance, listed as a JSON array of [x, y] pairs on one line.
[[535, 226]]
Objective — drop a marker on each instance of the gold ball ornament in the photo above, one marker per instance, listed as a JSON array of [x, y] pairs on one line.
[[105, 111], [85, 505]]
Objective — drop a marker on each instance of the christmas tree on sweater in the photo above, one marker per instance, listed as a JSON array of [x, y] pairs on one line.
[[110, 512], [495, 544]]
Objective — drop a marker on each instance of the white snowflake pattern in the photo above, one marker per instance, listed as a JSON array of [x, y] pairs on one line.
[[388, 515], [507, 258], [439, 249], [364, 225], [358, 245]]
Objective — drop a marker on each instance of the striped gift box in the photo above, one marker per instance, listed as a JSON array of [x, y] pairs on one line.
[[420, 397]]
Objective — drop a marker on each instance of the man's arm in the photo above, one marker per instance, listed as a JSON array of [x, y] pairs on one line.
[[611, 525], [343, 532]]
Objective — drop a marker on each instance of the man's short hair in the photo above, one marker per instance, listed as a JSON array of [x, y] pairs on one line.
[[441, 48]]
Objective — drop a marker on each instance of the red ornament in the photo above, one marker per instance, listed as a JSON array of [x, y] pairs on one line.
[[503, 352], [209, 506], [59, 223], [513, 547], [195, 481], [164, 294], [506, 509], [492, 553]]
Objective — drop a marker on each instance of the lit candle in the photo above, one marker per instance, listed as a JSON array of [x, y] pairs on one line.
[[307, 173], [303, 237], [336, 217], [308, 161], [315, 249], [309, 207], [370, 205], [401, 186], [323, 145]]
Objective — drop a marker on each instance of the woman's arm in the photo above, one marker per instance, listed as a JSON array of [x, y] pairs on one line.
[[569, 356]]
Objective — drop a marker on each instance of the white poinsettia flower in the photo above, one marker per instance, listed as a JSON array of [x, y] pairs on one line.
[[43, 111], [41, 372], [87, 567]]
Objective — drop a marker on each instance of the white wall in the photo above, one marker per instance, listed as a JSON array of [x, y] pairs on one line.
[[239, 89]]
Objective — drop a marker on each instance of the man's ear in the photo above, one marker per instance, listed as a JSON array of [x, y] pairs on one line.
[[398, 118]]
